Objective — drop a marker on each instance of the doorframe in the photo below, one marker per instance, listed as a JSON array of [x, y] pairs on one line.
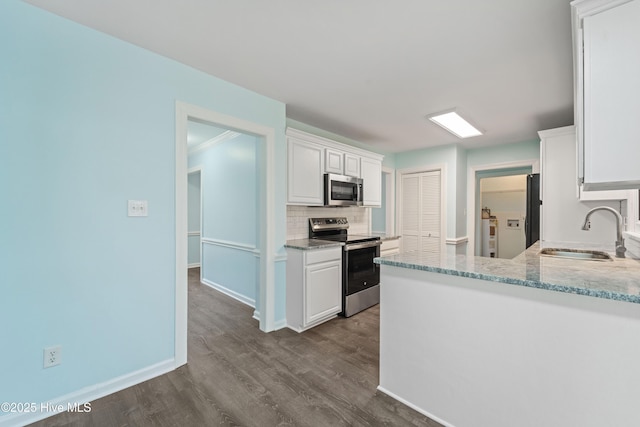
[[442, 168], [472, 171], [198, 170], [184, 112], [390, 205]]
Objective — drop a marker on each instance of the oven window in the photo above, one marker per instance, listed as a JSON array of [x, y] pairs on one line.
[[361, 272]]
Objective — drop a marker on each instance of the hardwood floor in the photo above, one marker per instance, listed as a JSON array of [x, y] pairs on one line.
[[239, 376]]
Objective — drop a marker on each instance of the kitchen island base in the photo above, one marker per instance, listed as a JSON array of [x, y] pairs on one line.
[[472, 352]]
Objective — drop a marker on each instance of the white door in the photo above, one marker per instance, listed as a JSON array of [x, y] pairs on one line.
[[421, 207]]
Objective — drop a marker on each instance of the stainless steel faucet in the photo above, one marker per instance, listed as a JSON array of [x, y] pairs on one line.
[[620, 249]]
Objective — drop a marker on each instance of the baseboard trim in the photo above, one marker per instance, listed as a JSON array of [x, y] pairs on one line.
[[194, 265], [457, 241], [279, 324], [89, 394], [228, 292], [414, 407]]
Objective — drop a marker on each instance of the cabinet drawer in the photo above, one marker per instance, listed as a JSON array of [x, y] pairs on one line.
[[323, 255]]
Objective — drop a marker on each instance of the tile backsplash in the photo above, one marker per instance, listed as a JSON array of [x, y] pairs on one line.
[[298, 219]]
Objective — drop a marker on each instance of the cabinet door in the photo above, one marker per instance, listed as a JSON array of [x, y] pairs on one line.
[[352, 165], [371, 171], [323, 291], [304, 173], [333, 161], [611, 84]]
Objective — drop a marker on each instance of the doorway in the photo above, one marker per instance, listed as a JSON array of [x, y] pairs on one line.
[[503, 201], [383, 218], [474, 208], [265, 247], [229, 221], [194, 207]]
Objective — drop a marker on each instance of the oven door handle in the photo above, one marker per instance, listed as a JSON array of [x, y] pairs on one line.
[[354, 246]]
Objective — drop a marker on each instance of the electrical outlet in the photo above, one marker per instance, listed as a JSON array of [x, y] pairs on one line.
[[137, 208], [52, 356]]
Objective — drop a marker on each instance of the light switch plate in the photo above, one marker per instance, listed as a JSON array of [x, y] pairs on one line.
[[137, 208]]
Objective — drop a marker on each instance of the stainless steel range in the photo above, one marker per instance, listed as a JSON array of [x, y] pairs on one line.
[[360, 276]]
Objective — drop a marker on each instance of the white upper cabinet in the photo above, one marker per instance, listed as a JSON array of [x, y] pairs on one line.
[[352, 165], [333, 161], [371, 170], [607, 92], [309, 157], [305, 185]]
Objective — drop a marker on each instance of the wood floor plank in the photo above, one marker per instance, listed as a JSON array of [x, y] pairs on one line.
[[237, 375]]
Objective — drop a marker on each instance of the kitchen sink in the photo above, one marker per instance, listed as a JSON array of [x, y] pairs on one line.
[[576, 254]]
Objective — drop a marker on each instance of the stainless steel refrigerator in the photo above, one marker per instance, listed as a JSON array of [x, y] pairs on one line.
[[532, 221]]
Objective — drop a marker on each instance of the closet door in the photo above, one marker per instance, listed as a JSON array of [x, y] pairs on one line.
[[430, 211], [410, 240], [421, 218]]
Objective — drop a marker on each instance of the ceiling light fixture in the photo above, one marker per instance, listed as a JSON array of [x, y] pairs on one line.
[[454, 123]]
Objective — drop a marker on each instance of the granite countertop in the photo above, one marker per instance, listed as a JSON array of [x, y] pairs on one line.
[[309, 244], [617, 280], [386, 236]]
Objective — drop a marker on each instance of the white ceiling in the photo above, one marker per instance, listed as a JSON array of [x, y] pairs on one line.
[[199, 133], [369, 70]]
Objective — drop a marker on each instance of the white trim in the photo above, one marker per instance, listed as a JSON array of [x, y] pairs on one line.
[[280, 324], [390, 211], [267, 193], [633, 216], [632, 236], [182, 243], [193, 233], [443, 198], [194, 265], [305, 136], [471, 191], [199, 170], [230, 293], [224, 136], [414, 407], [457, 241], [231, 245], [90, 393], [552, 133]]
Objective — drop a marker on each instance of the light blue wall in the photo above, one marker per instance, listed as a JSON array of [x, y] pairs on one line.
[[193, 221], [379, 215], [86, 123], [504, 153], [230, 213], [447, 156], [458, 161]]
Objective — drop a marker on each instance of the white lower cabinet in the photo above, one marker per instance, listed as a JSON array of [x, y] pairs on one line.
[[314, 286]]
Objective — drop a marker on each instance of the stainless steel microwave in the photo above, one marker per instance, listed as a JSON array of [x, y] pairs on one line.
[[342, 190]]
